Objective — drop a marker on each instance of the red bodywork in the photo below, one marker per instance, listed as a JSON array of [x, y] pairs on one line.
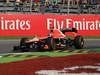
[[55, 34]]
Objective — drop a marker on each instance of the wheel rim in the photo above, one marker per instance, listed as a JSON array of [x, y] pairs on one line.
[[82, 42]]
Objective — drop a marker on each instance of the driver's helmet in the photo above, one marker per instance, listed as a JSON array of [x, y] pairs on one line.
[[51, 28]]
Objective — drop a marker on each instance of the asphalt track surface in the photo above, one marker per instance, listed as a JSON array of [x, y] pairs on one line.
[[6, 46]]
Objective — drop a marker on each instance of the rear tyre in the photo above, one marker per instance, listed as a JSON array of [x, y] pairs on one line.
[[51, 44], [79, 42]]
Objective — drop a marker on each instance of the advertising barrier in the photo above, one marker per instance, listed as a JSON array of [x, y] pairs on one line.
[[39, 25]]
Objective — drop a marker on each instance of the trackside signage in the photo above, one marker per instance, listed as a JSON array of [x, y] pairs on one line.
[[30, 25]]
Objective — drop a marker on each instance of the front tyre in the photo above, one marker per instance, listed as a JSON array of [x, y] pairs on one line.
[[78, 42], [23, 40], [51, 44], [15, 48], [23, 45]]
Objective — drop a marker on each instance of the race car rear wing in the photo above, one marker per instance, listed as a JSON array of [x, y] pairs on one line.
[[68, 30]]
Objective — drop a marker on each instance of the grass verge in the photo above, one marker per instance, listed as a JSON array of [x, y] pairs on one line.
[[13, 37], [51, 54], [30, 37]]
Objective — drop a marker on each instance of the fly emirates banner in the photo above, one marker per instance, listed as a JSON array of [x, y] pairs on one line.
[[30, 25]]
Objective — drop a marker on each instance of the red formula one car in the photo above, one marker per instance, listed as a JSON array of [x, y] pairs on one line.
[[56, 39]]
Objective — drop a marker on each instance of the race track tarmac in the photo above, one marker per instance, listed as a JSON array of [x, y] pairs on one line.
[[7, 45]]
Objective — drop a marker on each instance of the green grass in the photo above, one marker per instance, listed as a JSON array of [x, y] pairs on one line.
[[51, 54], [8, 59], [13, 37], [91, 37], [18, 37], [93, 50]]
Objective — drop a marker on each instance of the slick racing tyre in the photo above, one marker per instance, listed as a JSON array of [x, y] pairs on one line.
[[51, 44], [24, 46], [15, 48], [23, 40], [79, 42]]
